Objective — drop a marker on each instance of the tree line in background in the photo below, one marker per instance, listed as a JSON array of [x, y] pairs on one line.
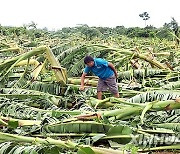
[[168, 31]]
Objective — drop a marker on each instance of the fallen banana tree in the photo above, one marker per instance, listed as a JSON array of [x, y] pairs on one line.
[[63, 145], [50, 104], [60, 72], [135, 108], [133, 54]]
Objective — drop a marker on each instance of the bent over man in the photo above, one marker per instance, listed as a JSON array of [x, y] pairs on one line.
[[105, 71]]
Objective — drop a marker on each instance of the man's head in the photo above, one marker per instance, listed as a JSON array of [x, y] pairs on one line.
[[89, 61]]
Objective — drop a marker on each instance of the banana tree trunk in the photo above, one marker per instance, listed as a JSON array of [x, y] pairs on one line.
[[67, 145], [135, 108], [134, 54]]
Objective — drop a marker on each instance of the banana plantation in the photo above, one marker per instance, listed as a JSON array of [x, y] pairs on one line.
[[43, 111]]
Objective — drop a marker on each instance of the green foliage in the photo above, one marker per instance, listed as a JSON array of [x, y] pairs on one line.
[[44, 108], [89, 32], [140, 32], [145, 16]]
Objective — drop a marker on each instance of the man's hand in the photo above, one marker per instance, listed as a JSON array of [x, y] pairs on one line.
[[113, 68], [82, 81], [81, 88]]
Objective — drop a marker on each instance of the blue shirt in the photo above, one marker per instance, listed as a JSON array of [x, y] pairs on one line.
[[100, 68]]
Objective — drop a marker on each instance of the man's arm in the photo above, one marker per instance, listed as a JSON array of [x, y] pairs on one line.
[[113, 68], [82, 80]]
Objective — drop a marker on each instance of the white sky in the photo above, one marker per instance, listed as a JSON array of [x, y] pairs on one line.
[[55, 14]]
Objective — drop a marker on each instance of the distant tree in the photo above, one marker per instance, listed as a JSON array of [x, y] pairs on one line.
[[121, 30], [45, 29], [32, 25], [90, 32], [173, 25], [145, 16], [163, 32]]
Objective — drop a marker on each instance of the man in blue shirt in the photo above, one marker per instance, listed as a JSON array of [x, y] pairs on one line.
[[105, 71]]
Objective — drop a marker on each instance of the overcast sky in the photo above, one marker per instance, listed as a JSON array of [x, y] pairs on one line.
[[55, 14]]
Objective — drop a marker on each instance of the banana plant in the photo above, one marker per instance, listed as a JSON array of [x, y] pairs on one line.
[[60, 72], [63, 145]]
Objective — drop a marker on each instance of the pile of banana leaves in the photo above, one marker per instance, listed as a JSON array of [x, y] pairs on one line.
[[42, 109]]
